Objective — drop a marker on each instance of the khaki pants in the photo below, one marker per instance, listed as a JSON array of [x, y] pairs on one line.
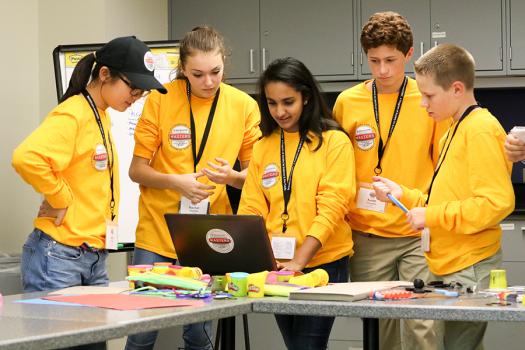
[[460, 335], [388, 259]]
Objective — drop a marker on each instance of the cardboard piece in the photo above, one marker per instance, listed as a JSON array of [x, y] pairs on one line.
[[349, 291]]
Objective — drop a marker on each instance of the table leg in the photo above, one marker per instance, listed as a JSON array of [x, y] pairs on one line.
[[246, 332], [370, 334], [228, 333]]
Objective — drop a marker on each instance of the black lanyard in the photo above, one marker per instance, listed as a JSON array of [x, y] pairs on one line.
[[197, 157], [287, 184], [380, 148], [103, 134], [444, 151]]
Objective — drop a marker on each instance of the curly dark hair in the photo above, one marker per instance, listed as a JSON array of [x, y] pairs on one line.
[[387, 28]]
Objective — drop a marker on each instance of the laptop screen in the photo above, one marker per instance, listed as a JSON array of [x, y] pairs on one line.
[[218, 244]]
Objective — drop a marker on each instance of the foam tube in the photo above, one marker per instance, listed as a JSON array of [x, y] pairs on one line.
[[169, 280]]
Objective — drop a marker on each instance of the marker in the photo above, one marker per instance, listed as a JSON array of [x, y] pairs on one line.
[[448, 293], [397, 203]]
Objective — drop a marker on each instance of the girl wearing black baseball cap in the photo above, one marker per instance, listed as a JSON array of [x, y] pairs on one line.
[[70, 159]]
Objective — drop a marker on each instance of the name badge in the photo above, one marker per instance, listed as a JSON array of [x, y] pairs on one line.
[[187, 207], [111, 235], [425, 240], [366, 199], [283, 247]]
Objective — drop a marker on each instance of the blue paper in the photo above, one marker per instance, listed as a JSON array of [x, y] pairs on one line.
[[44, 302]]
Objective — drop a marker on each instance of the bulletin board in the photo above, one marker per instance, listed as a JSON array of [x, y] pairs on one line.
[[65, 58]]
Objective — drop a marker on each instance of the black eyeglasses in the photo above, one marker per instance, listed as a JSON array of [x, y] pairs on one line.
[[135, 92]]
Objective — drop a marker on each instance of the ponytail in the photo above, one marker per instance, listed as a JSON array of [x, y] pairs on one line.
[[80, 77]]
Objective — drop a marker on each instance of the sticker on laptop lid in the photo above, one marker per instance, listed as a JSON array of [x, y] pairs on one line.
[[219, 240]]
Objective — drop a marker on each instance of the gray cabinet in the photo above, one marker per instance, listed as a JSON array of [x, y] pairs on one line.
[[513, 242], [417, 13], [507, 335], [516, 36], [258, 32], [236, 20], [319, 34], [476, 25], [326, 37]]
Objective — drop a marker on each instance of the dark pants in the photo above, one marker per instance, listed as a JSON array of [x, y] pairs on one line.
[[312, 332], [197, 336]]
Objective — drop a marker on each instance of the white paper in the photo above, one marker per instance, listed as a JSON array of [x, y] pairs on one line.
[[283, 247], [425, 240], [187, 207], [366, 199], [111, 235], [519, 132]]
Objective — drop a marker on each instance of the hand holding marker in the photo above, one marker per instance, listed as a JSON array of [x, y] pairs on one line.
[[425, 234], [397, 203]]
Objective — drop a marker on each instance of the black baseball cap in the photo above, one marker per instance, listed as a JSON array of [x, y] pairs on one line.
[[131, 57]]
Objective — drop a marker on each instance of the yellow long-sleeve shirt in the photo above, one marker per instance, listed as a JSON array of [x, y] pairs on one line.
[[471, 194], [60, 159], [163, 135], [322, 189], [408, 157]]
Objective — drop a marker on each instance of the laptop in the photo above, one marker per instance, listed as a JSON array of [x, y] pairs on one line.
[[218, 244]]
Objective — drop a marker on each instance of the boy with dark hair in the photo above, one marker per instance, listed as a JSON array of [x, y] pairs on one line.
[[471, 189], [392, 136]]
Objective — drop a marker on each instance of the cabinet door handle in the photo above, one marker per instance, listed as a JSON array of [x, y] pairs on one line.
[[510, 53], [264, 58], [352, 58], [360, 58], [435, 43], [421, 48], [251, 61]]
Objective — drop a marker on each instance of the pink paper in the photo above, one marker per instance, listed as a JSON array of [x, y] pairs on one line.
[[123, 301]]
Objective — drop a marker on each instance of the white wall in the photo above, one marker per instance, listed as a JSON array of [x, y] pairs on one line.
[[29, 31], [19, 97], [64, 22], [148, 20]]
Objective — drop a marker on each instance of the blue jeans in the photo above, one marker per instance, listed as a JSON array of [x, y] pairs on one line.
[[47, 265], [312, 332], [197, 336]]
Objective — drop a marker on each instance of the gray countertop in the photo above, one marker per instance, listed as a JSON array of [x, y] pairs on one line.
[[466, 308], [32, 326]]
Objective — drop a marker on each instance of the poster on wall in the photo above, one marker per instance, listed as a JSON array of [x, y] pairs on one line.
[[166, 53]]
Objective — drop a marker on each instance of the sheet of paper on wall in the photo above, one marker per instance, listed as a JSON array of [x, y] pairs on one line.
[[349, 291]]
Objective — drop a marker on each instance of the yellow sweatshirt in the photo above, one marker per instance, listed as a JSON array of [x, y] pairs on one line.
[[163, 135], [60, 160], [322, 188], [408, 157], [471, 194]]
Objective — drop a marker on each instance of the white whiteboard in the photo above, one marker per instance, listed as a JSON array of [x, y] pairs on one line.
[[122, 123]]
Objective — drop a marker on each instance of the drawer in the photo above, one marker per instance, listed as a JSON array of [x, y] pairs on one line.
[[513, 240], [515, 272]]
